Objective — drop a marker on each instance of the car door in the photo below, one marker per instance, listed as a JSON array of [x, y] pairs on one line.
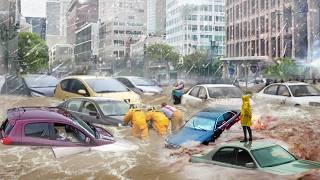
[[224, 157], [62, 90], [269, 95], [36, 134], [192, 96], [283, 94], [244, 159], [89, 112], [68, 135]]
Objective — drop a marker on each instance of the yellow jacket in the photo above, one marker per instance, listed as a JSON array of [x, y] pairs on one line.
[[246, 114], [136, 117], [158, 118]]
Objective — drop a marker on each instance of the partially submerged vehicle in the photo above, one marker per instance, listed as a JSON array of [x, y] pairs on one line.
[[205, 126], [48, 126], [258, 155], [97, 110]]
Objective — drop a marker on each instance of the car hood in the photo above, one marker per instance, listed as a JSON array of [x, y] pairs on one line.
[[133, 97], [150, 89], [46, 91], [187, 134], [295, 167]]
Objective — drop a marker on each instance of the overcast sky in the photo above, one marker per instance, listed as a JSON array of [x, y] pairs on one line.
[[33, 8]]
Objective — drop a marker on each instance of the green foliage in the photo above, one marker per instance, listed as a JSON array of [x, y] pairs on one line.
[[282, 68], [32, 53], [162, 52]]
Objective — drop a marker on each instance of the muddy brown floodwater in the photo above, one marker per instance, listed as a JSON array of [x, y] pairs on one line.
[[297, 129]]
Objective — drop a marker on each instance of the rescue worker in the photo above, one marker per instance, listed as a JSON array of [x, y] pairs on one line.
[[173, 114], [137, 118], [159, 121], [246, 118]]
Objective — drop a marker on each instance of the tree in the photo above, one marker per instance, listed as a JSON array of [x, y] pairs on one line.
[[162, 52], [282, 68], [32, 53]]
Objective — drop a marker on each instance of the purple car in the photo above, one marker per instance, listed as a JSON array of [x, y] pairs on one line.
[[47, 126]]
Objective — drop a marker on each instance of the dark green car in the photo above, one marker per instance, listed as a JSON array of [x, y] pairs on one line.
[[258, 155]]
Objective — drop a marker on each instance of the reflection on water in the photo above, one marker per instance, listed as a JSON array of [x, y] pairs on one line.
[[152, 160]]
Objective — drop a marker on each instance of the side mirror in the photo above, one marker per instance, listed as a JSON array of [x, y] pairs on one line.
[[82, 92], [88, 140], [250, 165]]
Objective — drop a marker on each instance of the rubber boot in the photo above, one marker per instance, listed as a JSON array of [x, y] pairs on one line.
[[250, 133], [245, 134]]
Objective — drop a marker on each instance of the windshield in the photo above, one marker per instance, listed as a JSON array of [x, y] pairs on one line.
[[201, 123], [84, 126], [224, 92], [114, 108], [41, 81], [304, 90], [272, 156], [142, 82], [106, 85]]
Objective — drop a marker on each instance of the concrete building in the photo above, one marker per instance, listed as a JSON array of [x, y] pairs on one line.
[[38, 26], [261, 30], [196, 26], [123, 22], [56, 22], [156, 17], [10, 11], [79, 14], [61, 59]]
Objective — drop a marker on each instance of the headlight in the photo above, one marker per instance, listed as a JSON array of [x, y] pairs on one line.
[[35, 94]]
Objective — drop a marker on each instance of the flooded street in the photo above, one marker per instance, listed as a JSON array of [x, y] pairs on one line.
[[289, 127]]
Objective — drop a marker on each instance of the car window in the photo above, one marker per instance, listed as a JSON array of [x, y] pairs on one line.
[[6, 127], [202, 92], [64, 132], [304, 90], [126, 82], [225, 155], [74, 105], [201, 123], [194, 92], [88, 107], [272, 90], [65, 85], [243, 157], [39, 130], [283, 91], [76, 85], [113, 108]]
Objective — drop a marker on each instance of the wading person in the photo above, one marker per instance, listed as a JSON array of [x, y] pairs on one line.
[[245, 118], [177, 92], [138, 121], [173, 114], [159, 121]]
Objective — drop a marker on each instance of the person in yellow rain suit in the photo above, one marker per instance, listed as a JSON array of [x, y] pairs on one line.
[[172, 114], [246, 118], [137, 118], [159, 121]]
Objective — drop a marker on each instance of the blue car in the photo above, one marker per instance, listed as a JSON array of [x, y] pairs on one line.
[[205, 126]]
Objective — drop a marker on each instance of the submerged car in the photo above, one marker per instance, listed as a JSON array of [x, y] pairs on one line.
[[258, 155], [46, 126], [140, 85], [290, 93], [98, 110], [29, 85], [204, 126], [94, 86], [224, 94]]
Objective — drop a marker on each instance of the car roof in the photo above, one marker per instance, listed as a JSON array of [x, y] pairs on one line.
[[84, 77], [216, 85], [95, 99], [37, 113], [291, 83], [258, 144]]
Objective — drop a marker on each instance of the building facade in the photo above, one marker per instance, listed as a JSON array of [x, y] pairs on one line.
[[156, 17], [79, 14], [61, 59], [123, 22], [38, 26], [196, 26], [262, 30], [24, 26]]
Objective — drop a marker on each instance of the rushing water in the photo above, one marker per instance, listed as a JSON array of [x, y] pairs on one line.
[[152, 160]]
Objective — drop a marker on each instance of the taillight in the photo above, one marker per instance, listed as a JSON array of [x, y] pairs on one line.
[[6, 141]]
